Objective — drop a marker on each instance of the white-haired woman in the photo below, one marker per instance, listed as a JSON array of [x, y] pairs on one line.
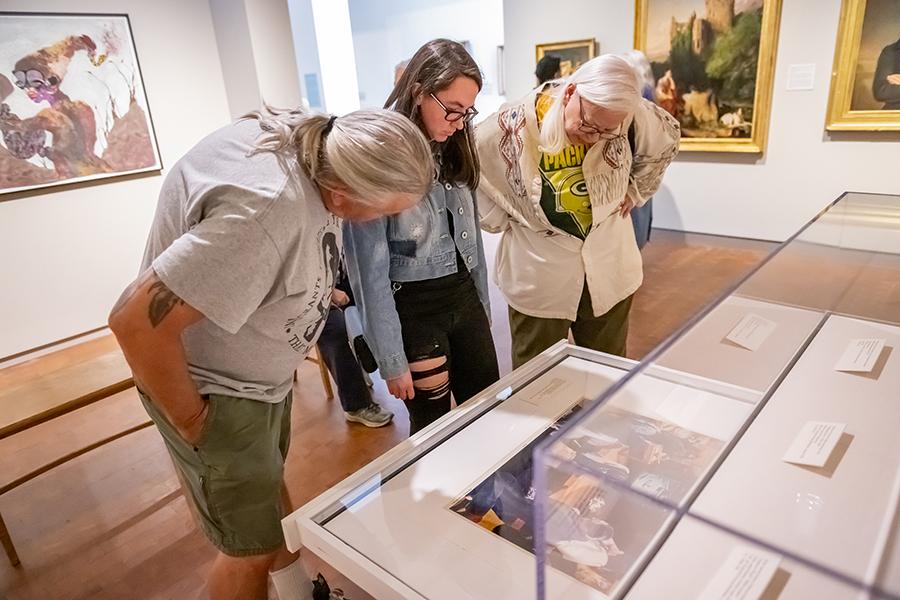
[[234, 289], [561, 169]]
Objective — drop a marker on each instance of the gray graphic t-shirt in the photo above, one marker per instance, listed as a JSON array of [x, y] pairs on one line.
[[246, 241]]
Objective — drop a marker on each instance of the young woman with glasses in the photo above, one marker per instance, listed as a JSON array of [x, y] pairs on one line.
[[419, 277], [561, 169]]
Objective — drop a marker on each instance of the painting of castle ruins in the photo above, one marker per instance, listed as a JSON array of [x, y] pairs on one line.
[[713, 62], [72, 101]]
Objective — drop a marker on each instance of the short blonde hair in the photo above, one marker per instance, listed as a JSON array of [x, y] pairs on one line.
[[373, 154], [607, 81]]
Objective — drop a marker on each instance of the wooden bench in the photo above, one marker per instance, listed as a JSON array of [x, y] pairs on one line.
[[52, 385]]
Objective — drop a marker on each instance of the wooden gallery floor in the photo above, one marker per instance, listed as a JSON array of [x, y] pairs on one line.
[[111, 524]]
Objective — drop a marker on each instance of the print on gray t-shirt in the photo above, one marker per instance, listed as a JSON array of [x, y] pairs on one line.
[[246, 241]]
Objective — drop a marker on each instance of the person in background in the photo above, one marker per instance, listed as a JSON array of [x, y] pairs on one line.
[[398, 70], [419, 277], [547, 69], [642, 216], [233, 292], [334, 348], [559, 178]]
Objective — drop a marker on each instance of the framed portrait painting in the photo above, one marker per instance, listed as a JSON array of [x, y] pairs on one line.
[[72, 101], [571, 54], [713, 65], [865, 81]]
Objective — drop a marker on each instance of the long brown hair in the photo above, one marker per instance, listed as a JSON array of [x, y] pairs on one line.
[[432, 69]]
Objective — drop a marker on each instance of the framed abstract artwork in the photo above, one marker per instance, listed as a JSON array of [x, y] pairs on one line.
[[72, 101], [571, 54], [865, 81], [713, 63]]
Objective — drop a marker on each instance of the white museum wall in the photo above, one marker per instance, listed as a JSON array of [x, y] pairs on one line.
[[256, 51], [336, 60], [527, 23], [767, 197], [386, 32], [306, 51], [236, 55], [271, 37], [324, 53], [68, 252]]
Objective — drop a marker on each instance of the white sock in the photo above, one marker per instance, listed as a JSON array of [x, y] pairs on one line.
[[292, 582]]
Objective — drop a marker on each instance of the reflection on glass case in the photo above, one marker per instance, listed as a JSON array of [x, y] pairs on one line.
[[752, 455], [449, 513], [789, 492]]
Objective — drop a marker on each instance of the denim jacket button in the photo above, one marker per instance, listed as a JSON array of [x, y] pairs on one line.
[[448, 186], [464, 235], [461, 211], [469, 260]]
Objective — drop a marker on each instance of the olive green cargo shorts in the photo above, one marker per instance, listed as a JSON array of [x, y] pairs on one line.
[[234, 473]]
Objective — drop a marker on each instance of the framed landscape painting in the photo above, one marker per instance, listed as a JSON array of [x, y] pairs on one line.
[[571, 54], [865, 82], [713, 64], [72, 101]]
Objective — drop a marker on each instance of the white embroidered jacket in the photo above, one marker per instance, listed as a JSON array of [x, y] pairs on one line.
[[540, 269]]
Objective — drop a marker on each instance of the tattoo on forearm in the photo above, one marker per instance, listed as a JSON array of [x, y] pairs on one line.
[[162, 301]]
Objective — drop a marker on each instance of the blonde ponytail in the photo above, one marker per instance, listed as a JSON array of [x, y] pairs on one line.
[[374, 154]]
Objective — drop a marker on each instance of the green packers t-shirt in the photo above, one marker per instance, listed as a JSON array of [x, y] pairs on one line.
[[564, 195]]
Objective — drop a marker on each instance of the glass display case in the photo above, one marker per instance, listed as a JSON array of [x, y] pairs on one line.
[[788, 491], [416, 522], [754, 454]]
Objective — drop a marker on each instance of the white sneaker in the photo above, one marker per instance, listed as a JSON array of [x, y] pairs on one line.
[[371, 416]]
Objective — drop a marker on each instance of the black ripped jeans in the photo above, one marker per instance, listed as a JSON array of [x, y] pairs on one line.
[[444, 317]]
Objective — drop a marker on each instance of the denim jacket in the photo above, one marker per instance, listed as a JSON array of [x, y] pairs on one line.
[[410, 246]]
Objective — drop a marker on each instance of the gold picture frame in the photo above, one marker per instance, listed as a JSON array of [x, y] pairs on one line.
[[852, 103], [571, 54], [712, 114]]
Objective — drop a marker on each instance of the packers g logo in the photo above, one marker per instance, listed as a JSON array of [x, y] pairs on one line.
[[571, 196]]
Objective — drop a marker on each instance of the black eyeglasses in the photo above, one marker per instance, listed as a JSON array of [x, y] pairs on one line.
[[591, 129], [454, 115]]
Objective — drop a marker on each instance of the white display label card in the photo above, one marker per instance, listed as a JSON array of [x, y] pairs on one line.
[[860, 355], [814, 444], [801, 77], [751, 332], [744, 576]]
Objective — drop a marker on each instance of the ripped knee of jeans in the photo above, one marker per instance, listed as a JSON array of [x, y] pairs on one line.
[[431, 378]]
